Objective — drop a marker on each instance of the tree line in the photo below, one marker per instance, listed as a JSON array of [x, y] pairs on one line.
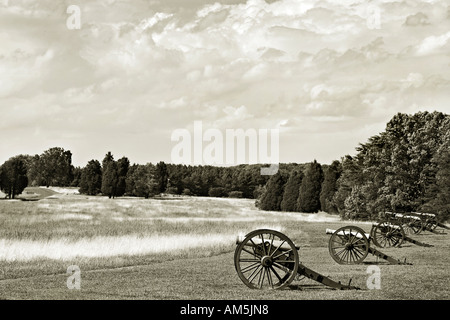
[[52, 168], [116, 178], [405, 168]]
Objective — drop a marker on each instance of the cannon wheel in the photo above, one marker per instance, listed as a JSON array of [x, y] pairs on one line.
[[348, 245], [387, 234], [411, 226], [266, 259], [431, 224]]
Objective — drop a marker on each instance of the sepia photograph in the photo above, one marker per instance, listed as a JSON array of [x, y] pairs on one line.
[[223, 155]]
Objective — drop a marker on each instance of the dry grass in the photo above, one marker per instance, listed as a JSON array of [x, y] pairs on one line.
[[40, 237], [183, 248], [105, 247]]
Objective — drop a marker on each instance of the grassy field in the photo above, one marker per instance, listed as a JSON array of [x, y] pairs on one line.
[[182, 248]]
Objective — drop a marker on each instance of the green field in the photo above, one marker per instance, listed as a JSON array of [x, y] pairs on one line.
[[182, 248]]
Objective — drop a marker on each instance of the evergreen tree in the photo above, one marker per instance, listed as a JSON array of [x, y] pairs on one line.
[[227, 180], [258, 192], [161, 176], [329, 187], [109, 178], [123, 165], [291, 191], [91, 178], [309, 193], [175, 179], [273, 195], [108, 157], [245, 182]]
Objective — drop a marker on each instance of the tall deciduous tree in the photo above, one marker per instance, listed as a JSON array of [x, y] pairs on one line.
[[34, 171], [437, 195], [397, 170], [13, 177], [141, 181], [55, 167], [351, 176]]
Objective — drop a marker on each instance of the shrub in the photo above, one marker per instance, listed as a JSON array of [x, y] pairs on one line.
[[235, 194], [172, 190], [216, 192]]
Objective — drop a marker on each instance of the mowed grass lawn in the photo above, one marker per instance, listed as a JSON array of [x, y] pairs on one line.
[[183, 248]]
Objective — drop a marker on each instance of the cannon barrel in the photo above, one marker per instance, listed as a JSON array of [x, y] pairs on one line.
[[346, 233], [392, 225], [425, 214], [281, 245], [407, 216], [402, 215]]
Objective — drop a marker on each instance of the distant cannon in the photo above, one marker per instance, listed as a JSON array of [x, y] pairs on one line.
[[351, 245], [387, 234], [268, 259], [410, 223], [416, 222], [430, 222]]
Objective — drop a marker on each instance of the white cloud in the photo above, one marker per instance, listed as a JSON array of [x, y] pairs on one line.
[[311, 67], [208, 9], [150, 22], [432, 44], [414, 79]]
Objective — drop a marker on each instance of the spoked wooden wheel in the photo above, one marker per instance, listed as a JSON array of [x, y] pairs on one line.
[[348, 245], [387, 234], [411, 225], [266, 259], [431, 224]]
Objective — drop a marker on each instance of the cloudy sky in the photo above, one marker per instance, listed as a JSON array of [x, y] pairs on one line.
[[327, 74]]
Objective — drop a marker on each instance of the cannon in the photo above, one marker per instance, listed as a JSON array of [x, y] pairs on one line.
[[387, 234], [351, 245], [411, 224], [268, 259], [416, 222], [430, 222]]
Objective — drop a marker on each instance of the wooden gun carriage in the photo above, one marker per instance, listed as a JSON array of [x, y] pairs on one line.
[[416, 222], [429, 222], [388, 233], [268, 259], [351, 245]]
